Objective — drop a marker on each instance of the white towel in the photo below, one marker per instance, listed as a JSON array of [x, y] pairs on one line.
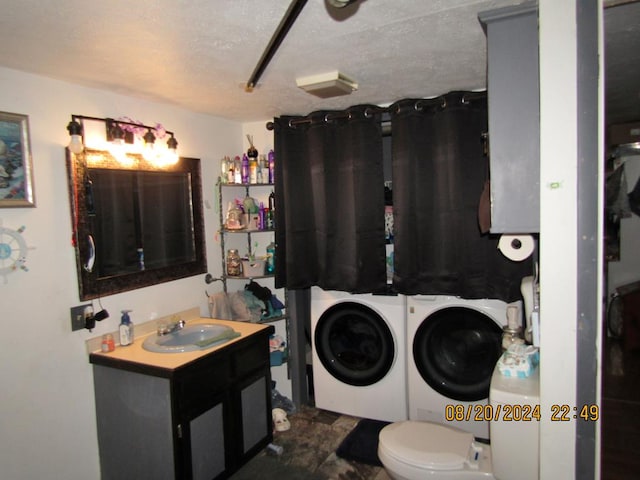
[[241, 306], [219, 306]]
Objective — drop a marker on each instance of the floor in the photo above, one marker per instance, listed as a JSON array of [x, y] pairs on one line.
[[620, 421], [309, 446], [308, 451]]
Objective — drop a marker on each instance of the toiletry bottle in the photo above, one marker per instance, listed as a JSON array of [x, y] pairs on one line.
[[271, 166], [245, 169], [224, 170], [263, 169], [237, 169], [126, 329], [108, 345], [262, 223], [271, 258], [272, 209], [253, 171], [140, 258], [268, 220]]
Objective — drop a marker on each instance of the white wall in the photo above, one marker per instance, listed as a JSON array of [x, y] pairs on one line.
[[47, 422]]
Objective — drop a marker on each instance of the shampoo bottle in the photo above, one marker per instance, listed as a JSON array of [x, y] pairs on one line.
[[126, 329], [271, 258]]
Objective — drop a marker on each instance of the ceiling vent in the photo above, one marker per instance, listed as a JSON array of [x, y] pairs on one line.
[[327, 85]]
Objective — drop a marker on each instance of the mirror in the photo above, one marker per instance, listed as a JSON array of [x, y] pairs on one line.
[[134, 225]]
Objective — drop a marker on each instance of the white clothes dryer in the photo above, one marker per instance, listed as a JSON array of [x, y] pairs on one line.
[[358, 356], [453, 346]]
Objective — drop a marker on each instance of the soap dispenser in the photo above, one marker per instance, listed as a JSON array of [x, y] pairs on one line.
[[126, 329]]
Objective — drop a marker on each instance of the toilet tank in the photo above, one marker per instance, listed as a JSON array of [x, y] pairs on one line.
[[515, 442]]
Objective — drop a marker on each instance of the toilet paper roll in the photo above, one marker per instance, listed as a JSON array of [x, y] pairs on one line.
[[516, 247]]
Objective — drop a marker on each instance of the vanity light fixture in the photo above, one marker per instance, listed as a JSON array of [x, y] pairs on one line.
[[120, 137]]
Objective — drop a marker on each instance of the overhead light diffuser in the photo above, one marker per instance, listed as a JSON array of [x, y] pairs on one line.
[[327, 85]]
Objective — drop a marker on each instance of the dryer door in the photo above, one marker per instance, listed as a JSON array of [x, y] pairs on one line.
[[455, 350], [354, 344]]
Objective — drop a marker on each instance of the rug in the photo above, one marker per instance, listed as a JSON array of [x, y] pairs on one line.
[[361, 444]]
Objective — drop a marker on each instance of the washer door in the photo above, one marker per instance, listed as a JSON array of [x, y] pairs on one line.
[[456, 350], [354, 344]]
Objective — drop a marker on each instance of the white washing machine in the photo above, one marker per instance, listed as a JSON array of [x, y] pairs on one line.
[[359, 356], [453, 346]]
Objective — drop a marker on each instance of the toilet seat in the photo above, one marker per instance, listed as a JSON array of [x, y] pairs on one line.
[[429, 446]]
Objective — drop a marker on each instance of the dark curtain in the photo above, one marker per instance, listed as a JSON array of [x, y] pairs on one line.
[[329, 202], [439, 170]]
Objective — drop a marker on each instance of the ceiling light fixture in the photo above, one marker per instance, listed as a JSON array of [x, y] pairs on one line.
[[118, 134], [327, 85]]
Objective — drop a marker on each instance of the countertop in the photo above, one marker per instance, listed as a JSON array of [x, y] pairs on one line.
[[134, 357]]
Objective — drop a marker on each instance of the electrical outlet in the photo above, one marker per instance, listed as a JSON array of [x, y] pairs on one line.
[[78, 315]]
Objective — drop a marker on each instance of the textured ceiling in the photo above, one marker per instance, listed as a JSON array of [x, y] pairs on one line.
[[199, 54]]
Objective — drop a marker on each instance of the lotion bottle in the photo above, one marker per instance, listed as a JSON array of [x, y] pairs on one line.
[[126, 329]]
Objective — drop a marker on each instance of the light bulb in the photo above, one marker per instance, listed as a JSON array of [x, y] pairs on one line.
[[149, 152], [171, 157], [75, 131], [118, 150], [75, 145]]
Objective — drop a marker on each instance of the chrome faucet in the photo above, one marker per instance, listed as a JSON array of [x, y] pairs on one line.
[[172, 327]]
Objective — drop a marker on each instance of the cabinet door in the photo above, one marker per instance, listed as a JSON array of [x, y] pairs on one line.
[[206, 434], [135, 430], [514, 118], [256, 424]]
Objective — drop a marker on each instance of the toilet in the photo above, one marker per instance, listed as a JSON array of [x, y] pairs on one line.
[[413, 450]]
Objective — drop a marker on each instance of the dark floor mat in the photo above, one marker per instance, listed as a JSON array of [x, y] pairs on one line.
[[361, 445]]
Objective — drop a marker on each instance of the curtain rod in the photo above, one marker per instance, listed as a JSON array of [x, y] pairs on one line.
[[419, 105], [283, 28]]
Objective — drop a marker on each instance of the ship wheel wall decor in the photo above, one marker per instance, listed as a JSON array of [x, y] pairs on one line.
[[13, 251]]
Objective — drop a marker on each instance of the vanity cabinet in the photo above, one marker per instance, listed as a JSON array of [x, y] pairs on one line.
[[202, 420], [514, 117]]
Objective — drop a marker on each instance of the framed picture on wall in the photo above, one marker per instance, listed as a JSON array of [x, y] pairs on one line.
[[16, 170]]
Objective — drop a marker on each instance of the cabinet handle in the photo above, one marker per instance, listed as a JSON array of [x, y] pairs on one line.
[[179, 429]]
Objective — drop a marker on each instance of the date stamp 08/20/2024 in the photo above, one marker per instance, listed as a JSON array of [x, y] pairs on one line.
[[520, 413]]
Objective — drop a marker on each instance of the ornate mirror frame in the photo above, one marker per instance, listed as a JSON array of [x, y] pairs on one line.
[[90, 284]]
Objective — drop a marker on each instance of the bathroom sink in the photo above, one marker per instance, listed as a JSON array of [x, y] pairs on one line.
[[190, 338]]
